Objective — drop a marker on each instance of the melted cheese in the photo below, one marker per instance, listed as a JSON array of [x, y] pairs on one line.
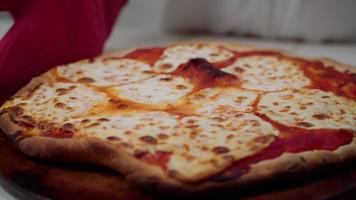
[[106, 72], [206, 145], [309, 108], [179, 54], [222, 101], [59, 102], [129, 128], [197, 143], [267, 73], [160, 91]]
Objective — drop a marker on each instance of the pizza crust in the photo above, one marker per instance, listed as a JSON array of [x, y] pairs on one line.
[[96, 151]]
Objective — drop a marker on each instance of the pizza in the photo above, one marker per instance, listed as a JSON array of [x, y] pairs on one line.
[[189, 117]]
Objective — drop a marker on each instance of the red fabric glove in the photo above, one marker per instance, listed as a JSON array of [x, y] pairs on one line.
[[48, 33]]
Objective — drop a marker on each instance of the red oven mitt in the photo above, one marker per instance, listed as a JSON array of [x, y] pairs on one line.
[[48, 33]]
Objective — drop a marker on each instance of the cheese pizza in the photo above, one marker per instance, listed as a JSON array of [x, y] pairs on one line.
[[189, 117]]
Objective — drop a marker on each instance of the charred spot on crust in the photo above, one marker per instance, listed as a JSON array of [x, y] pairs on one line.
[[203, 74]]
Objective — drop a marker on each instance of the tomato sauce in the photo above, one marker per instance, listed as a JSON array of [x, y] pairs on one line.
[[293, 140], [147, 55]]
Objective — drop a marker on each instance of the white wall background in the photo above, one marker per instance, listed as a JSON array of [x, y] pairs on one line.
[[314, 20]]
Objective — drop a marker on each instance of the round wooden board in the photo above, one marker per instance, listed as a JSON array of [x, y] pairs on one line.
[[81, 181]]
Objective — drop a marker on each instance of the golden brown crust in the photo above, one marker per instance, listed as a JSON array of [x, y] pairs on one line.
[[102, 152]]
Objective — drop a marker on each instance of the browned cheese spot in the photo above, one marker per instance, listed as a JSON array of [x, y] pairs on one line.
[[85, 80], [218, 119], [126, 145], [148, 72], [59, 105], [166, 79], [119, 105], [162, 136], [103, 119], [139, 153], [321, 116], [181, 87], [84, 121], [229, 137], [93, 125], [166, 66], [63, 91], [113, 138], [238, 69], [305, 124], [220, 150], [148, 139], [239, 115], [127, 132]]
